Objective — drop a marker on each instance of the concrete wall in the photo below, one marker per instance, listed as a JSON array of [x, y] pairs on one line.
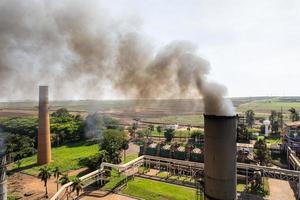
[[44, 143], [220, 157]]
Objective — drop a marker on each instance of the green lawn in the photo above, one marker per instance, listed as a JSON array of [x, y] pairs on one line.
[[130, 157], [66, 157], [155, 190], [114, 180], [270, 140]]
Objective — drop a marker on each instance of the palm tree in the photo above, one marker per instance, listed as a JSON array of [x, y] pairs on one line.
[[77, 185], [64, 180], [56, 174], [250, 119], [159, 129], [189, 131], [44, 175], [294, 115], [9, 150]]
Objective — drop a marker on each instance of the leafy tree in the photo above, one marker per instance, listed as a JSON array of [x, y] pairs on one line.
[[275, 121], [114, 141], [111, 123], [147, 133], [197, 135], [56, 173], [261, 152], [250, 118], [25, 126], [151, 127], [133, 129], [77, 185], [134, 126], [95, 124], [62, 112], [169, 134], [294, 114], [140, 133], [66, 127], [44, 175], [93, 162], [19, 146]]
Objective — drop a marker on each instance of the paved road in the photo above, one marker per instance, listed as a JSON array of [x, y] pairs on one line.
[[280, 190]]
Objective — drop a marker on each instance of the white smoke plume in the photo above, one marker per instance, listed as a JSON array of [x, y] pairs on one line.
[[78, 50]]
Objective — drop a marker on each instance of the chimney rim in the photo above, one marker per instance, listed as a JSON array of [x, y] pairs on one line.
[[220, 116]]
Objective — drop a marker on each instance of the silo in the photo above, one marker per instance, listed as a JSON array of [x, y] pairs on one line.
[[220, 157], [44, 143]]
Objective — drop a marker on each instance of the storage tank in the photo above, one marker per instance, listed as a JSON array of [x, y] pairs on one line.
[[220, 157]]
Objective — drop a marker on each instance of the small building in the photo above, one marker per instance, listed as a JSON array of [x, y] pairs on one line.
[[172, 126]]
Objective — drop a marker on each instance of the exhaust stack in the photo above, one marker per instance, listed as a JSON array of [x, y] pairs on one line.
[[220, 157], [44, 143]]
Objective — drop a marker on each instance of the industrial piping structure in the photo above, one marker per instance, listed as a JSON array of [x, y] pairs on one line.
[[44, 143], [220, 157], [3, 179]]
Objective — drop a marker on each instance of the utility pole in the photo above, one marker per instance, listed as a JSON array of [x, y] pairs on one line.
[[281, 120]]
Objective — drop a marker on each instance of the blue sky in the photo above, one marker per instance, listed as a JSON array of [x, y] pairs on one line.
[[253, 46]]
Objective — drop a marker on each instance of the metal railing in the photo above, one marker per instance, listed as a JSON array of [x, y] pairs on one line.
[[95, 176], [193, 169], [293, 159]]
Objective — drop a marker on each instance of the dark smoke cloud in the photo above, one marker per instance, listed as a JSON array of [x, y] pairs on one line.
[[80, 51]]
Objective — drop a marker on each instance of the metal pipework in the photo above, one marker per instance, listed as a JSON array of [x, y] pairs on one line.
[[3, 179], [220, 157], [44, 143]]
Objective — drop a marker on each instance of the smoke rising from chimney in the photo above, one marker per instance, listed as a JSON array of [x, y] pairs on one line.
[[75, 48]]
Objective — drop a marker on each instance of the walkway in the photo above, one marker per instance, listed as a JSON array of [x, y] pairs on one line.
[[280, 190], [108, 197]]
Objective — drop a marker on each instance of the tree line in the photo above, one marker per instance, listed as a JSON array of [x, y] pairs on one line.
[[21, 132]]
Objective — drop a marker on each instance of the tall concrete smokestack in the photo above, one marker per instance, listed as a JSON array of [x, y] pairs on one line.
[[220, 157], [44, 143]]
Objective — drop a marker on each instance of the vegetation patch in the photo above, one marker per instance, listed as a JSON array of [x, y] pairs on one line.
[[115, 180], [66, 157], [139, 187], [130, 156]]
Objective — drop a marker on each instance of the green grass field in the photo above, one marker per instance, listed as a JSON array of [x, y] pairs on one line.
[[155, 190], [194, 120], [130, 157], [270, 140], [268, 105], [66, 157], [114, 180]]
